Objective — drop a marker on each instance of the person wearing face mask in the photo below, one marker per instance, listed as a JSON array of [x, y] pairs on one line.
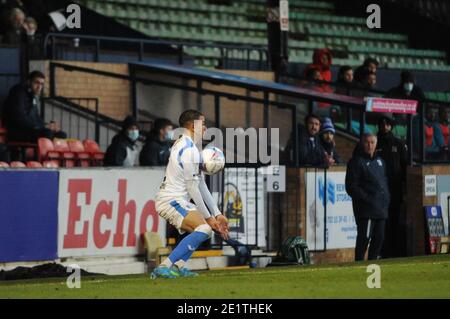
[[156, 150], [123, 150], [407, 89]]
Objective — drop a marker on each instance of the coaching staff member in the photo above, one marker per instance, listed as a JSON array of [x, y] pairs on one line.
[[394, 153], [367, 185]]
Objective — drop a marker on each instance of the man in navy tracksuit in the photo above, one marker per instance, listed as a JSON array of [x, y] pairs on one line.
[[366, 182]]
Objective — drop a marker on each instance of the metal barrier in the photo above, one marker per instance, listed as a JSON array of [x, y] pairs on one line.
[[51, 48]]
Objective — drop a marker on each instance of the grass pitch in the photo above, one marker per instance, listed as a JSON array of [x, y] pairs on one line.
[[419, 277]]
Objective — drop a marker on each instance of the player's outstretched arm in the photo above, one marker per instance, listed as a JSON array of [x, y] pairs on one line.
[[209, 200]]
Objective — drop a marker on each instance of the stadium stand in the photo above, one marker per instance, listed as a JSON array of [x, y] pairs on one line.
[[314, 25]]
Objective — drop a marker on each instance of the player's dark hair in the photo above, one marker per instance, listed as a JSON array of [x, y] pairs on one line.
[[36, 75], [189, 116], [311, 116]]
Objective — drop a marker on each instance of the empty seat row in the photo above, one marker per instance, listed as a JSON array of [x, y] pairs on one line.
[[30, 164], [70, 153]]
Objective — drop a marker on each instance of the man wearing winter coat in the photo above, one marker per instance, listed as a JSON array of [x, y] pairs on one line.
[[395, 154], [366, 183]]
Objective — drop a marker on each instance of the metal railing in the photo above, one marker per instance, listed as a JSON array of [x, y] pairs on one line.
[[50, 48], [80, 118]]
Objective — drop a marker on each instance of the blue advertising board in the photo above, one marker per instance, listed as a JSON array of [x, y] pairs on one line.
[[28, 215]]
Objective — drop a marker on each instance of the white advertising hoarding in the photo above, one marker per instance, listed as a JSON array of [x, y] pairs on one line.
[[105, 211], [244, 198], [340, 222]]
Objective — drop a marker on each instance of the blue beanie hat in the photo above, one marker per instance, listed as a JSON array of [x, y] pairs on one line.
[[327, 126]]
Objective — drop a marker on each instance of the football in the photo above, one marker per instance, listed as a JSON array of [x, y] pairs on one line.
[[213, 160]]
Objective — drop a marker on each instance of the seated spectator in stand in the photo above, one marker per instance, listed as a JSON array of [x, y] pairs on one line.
[[15, 29], [442, 128], [123, 150], [156, 150], [322, 60], [407, 89], [22, 109], [433, 137], [314, 78], [310, 151], [327, 133], [369, 65], [344, 80], [369, 82], [30, 26]]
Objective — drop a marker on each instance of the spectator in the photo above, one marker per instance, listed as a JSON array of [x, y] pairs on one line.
[[327, 133], [314, 78], [123, 150], [310, 151], [364, 88], [442, 128], [322, 60], [369, 65], [344, 80], [22, 109], [156, 150], [15, 30], [433, 137], [366, 183], [394, 153], [32, 43], [407, 89]]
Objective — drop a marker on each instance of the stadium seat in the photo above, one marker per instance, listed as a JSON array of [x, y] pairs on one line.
[[93, 149], [34, 164], [68, 157], [17, 164], [3, 164], [51, 164], [83, 157], [47, 150]]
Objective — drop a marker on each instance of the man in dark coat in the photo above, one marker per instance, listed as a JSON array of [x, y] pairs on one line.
[[310, 151], [22, 109], [156, 150], [394, 153], [123, 150], [366, 183]]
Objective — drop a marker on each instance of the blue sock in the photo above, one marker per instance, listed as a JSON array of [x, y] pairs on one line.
[[187, 246]]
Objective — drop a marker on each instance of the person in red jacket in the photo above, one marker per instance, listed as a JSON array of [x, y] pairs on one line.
[[322, 60]]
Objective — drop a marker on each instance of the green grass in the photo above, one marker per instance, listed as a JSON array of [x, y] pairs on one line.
[[419, 277]]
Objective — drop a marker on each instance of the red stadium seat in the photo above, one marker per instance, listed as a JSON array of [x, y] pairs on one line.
[[47, 150], [3, 164], [34, 164], [82, 156], [17, 164], [51, 164], [67, 156], [93, 149]]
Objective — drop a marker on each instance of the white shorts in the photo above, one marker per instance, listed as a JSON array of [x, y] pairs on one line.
[[174, 211]]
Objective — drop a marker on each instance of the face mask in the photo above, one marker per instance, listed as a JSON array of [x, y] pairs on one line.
[[133, 135], [408, 87], [169, 135]]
